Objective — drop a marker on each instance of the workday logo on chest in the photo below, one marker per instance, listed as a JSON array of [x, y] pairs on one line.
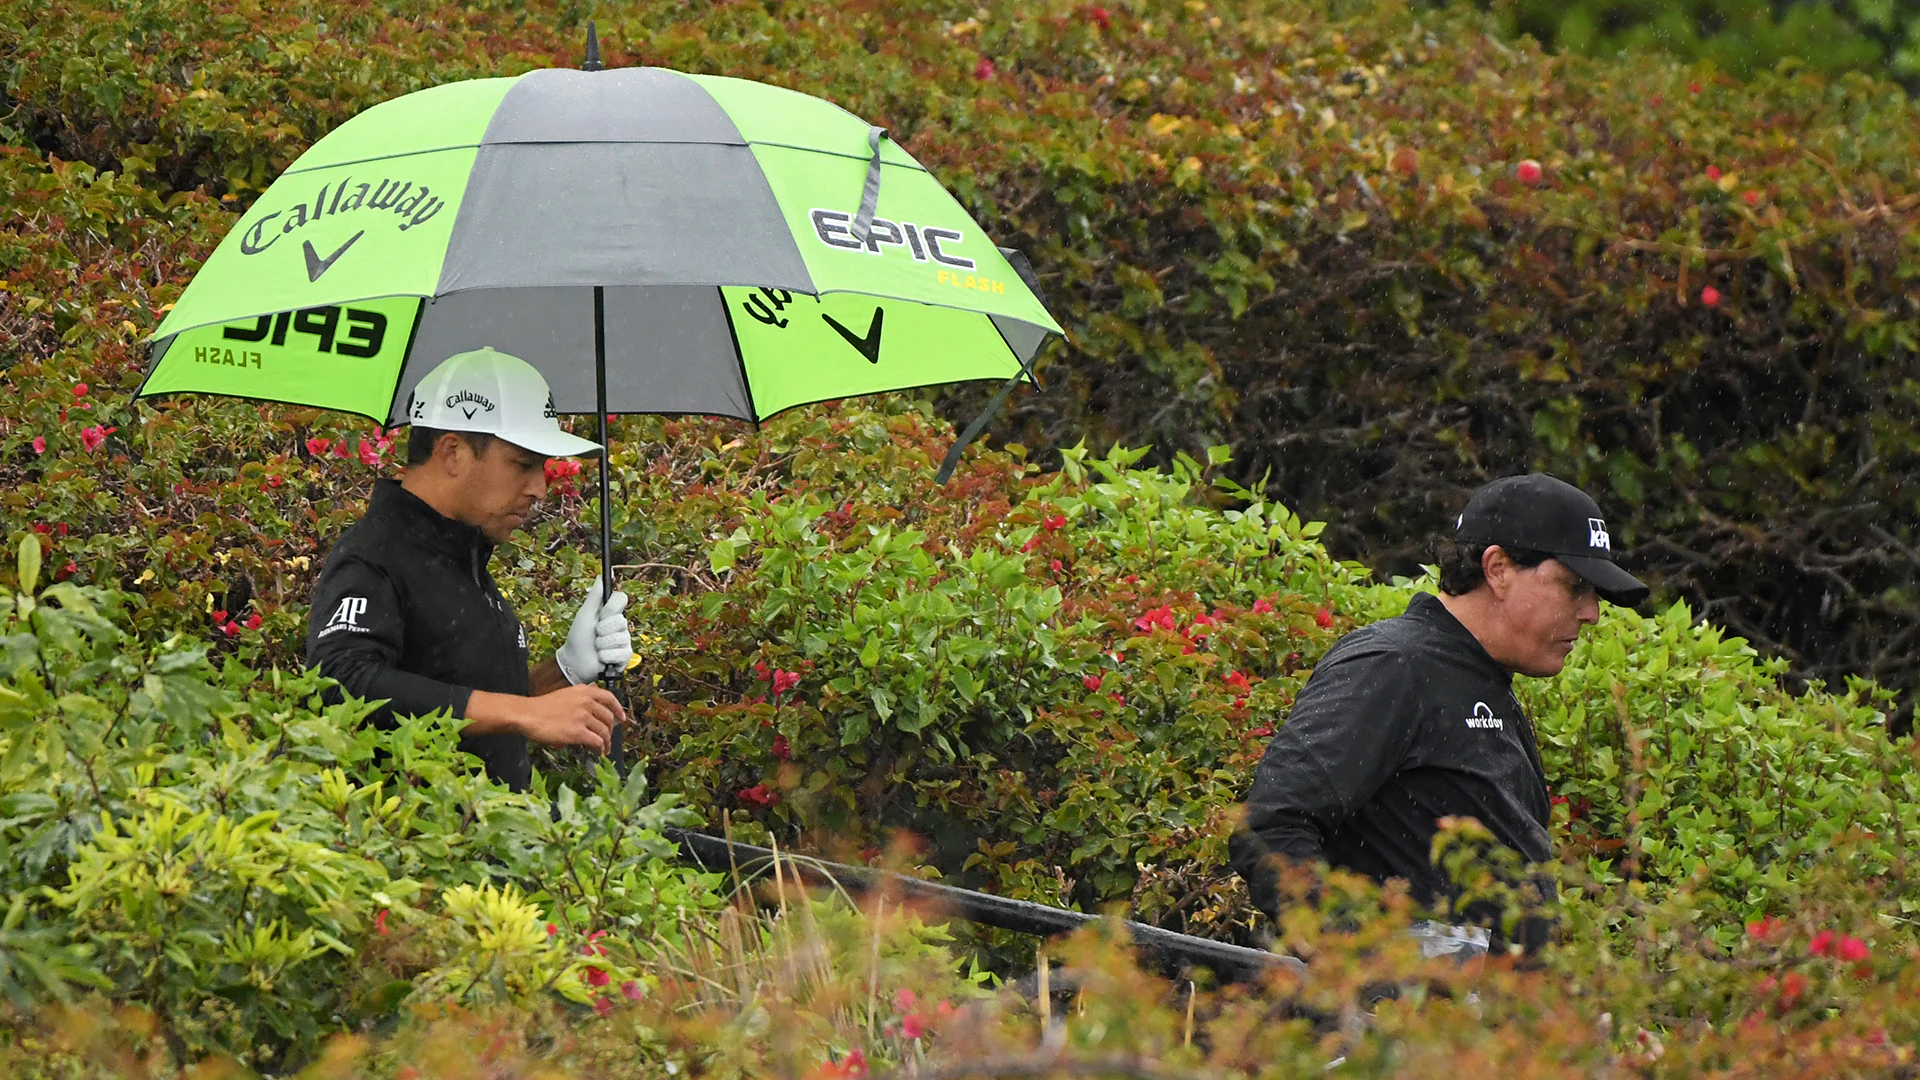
[[1484, 719]]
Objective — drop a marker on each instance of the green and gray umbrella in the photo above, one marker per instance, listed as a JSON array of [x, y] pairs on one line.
[[751, 248]]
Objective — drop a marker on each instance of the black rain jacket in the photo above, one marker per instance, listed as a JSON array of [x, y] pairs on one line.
[[1403, 722], [405, 610]]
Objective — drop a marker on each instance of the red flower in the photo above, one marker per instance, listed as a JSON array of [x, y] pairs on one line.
[[1260, 732], [983, 69], [1763, 928], [1238, 681], [1101, 17], [69, 568], [1710, 296], [781, 750], [1054, 566], [632, 990], [79, 389], [912, 1026], [591, 949], [340, 449], [602, 1006], [1528, 171], [1054, 523], [1693, 88], [597, 977], [1160, 618], [1791, 987], [784, 681], [1027, 548], [253, 621], [369, 454], [39, 444], [903, 999], [760, 670], [380, 923], [232, 629], [92, 437], [1263, 607], [552, 929], [219, 617], [1713, 172], [1851, 949], [1752, 197], [1323, 618], [1091, 682], [854, 1065], [1118, 699], [759, 795], [1239, 703], [1822, 943]]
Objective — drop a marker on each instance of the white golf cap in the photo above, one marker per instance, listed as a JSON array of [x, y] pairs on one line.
[[500, 395]]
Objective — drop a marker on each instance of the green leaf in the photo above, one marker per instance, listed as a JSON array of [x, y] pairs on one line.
[[29, 564]]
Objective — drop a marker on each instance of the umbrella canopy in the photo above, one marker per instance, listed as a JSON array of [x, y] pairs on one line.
[[751, 249]]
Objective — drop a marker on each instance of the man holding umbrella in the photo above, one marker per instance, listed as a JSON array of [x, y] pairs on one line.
[[405, 609]]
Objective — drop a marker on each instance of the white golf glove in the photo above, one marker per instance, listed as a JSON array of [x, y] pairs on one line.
[[598, 641]]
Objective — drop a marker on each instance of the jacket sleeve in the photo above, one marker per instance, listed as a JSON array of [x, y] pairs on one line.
[[356, 634], [1348, 732]]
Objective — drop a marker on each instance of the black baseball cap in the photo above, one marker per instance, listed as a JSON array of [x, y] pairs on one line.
[[1539, 512]]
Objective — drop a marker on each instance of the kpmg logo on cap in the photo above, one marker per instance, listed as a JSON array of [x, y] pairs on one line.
[[1597, 535]]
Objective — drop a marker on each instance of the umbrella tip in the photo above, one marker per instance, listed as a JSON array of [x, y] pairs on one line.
[[593, 50]]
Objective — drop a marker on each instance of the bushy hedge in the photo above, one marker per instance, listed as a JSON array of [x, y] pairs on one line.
[[1295, 229]]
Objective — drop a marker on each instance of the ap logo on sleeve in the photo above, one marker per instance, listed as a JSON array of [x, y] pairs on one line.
[[347, 616]]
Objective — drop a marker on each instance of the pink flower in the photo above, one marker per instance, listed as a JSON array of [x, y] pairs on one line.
[[318, 446], [369, 454], [598, 978], [1851, 949], [1091, 682], [912, 1026], [1263, 606], [984, 69], [1323, 618], [1160, 618], [782, 751], [903, 999], [39, 444], [1710, 296], [632, 990], [1822, 943], [784, 681], [79, 389], [92, 437]]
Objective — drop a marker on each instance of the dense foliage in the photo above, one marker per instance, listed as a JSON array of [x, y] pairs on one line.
[[1300, 230], [1741, 37], [1265, 225]]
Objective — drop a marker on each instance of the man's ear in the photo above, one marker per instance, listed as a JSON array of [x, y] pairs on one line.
[[1497, 567], [451, 453]]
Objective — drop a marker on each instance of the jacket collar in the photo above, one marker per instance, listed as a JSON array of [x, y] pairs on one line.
[[1426, 608], [409, 512]]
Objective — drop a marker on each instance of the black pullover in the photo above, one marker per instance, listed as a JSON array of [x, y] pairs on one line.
[[405, 610], [1403, 722]]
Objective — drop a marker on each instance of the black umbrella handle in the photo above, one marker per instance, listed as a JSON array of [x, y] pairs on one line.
[[614, 680]]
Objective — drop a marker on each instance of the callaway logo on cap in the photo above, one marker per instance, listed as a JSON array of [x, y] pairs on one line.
[[500, 395], [1540, 513]]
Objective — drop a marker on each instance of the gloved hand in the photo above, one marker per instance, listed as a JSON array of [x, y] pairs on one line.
[[598, 640]]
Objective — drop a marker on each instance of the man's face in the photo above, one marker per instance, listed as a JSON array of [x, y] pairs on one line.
[[1542, 608], [499, 486]]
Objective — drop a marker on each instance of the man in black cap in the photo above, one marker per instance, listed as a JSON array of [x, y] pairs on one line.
[[1413, 719]]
